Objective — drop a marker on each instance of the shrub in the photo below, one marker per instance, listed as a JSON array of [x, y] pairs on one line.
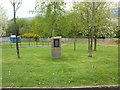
[[31, 35]]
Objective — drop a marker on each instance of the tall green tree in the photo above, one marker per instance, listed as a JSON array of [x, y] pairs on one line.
[[38, 26], [75, 26], [22, 25], [86, 15], [95, 17], [103, 26], [53, 12]]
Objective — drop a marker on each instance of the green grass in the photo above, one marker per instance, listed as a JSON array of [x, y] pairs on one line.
[[35, 68]]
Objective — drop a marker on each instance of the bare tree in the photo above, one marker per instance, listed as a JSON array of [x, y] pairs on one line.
[[16, 4]]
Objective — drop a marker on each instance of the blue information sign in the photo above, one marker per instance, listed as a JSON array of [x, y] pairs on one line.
[[13, 39]]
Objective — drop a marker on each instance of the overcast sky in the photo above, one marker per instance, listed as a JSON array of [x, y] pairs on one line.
[[26, 6]]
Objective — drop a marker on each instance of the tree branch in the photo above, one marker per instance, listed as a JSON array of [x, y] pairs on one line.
[[18, 5]]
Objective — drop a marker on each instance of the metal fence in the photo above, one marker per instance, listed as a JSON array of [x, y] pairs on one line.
[[6, 39], [25, 42], [30, 42]]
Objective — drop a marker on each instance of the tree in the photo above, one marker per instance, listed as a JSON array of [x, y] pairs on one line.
[[10, 28], [16, 4], [64, 26], [3, 20], [22, 25], [95, 18], [38, 26], [88, 14], [85, 15], [103, 26], [74, 26], [53, 12]]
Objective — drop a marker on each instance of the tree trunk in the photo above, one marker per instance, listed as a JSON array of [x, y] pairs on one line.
[[89, 44], [17, 46], [89, 32], [92, 43], [95, 44], [90, 49], [75, 43], [92, 30]]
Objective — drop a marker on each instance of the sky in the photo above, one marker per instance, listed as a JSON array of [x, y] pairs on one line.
[[26, 6]]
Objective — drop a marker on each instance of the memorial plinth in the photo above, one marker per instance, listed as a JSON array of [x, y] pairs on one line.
[[56, 47]]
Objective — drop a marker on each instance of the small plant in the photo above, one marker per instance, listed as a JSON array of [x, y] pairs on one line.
[[31, 35]]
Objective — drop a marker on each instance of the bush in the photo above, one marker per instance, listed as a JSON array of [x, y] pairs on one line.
[[31, 35]]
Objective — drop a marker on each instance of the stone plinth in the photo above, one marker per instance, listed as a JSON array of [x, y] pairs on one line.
[[56, 47]]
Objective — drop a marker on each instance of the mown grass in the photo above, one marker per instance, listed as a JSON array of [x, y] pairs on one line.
[[35, 68]]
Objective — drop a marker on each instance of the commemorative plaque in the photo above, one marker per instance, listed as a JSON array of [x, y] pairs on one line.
[[56, 47]]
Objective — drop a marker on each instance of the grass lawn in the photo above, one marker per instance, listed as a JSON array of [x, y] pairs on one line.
[[35, 68]]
